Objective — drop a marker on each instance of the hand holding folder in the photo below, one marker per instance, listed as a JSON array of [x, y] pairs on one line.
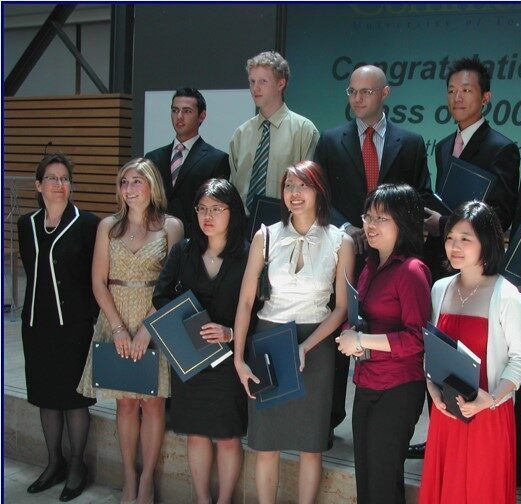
[[167, 328], [110, 371], [281, 344], [353, 315], [451, 366]]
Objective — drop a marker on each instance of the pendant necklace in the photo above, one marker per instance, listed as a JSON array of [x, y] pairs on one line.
[[464, 300]]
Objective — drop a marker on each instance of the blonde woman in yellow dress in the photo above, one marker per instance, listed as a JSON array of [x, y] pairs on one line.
[[131, 248]]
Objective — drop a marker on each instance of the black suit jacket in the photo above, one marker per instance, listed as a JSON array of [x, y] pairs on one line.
[[202, 163], [495, 153], [70, 259], [404, 160], [517, 217]]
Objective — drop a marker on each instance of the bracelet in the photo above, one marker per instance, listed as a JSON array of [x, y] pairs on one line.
[[231, 336], [115, 329], [118, 330], [494, 402], [358, 344]]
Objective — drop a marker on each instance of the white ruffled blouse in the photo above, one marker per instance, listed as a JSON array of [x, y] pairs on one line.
[[301, 296]]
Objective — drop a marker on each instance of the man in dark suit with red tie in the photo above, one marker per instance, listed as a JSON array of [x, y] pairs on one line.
[[358, 156], [188, 161]]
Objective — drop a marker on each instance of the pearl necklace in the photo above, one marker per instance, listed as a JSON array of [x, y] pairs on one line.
[[464, 300], [45, 226]]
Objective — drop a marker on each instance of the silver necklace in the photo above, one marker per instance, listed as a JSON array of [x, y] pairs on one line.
[[464, 300], [212, 258], [53, 229]]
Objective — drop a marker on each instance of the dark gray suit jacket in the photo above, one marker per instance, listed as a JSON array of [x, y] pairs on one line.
[[202, 163], [404, 160]]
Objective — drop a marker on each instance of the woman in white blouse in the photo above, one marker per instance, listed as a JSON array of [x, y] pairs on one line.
[[307, 261]]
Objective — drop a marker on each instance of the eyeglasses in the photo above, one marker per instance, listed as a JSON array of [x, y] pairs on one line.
[[57, 180], [212, 211], [369, 219], [363, 92]]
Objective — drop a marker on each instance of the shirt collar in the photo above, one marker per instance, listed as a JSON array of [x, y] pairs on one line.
[[275, 119], [379, 127], [467, 133], [372, 261], [187, 143]]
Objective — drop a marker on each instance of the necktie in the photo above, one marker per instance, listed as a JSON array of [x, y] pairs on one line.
[[260, 166], [176, 162], [370, 158], [458, 145]]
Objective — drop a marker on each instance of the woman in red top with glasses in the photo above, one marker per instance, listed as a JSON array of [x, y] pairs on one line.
[[394, 293]]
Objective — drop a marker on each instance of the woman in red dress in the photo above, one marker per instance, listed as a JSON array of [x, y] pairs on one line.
[[475, 462]]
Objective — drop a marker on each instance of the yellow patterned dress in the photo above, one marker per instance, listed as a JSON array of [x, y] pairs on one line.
[[132, 276]]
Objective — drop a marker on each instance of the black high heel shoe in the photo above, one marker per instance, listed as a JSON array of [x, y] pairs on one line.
[[71, 493], [56, 477]]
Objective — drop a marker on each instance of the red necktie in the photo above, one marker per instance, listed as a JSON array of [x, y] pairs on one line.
[[370, 158]]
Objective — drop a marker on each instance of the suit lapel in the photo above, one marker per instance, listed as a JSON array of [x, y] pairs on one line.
[[446, 153], [392, 146], [164, 161], [474, 143], [351, 143], [197, 152]]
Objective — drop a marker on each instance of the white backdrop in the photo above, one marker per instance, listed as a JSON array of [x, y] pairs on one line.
[[226, 110]]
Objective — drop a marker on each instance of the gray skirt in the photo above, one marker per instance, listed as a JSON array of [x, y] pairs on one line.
[[301, 424]]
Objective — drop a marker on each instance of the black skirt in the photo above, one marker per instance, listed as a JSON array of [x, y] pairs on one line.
[[54, 361], [212, 403]]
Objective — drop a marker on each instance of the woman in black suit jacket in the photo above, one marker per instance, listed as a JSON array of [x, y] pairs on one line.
[[56, 246], [212, 404]]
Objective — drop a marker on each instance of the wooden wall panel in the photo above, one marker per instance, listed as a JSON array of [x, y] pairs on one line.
[[94, 130]]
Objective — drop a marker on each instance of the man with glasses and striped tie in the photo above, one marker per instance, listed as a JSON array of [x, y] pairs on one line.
[[188, 161], [265, 145]]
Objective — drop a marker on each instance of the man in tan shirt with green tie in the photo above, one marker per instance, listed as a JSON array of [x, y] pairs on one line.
[[265, 145]]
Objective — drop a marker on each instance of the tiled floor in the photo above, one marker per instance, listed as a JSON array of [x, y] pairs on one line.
[[18, 476]]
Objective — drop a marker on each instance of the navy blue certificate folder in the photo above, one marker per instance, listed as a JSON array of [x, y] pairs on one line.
[[264, 210], [282, 345], [453, 370], [110, 371], [465, 182], [168, 331], [512, 264]]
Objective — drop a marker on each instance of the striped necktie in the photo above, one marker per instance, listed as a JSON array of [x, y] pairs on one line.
[[177, 161], [260, 166]]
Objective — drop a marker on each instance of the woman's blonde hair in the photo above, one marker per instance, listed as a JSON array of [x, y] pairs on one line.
[[155, 212]]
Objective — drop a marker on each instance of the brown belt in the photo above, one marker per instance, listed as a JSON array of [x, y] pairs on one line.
[[132, 283]]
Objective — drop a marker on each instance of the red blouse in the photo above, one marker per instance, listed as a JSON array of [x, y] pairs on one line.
[[395, 300]]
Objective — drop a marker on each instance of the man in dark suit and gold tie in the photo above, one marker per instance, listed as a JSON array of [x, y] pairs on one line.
[[358, 156], [188, 161]]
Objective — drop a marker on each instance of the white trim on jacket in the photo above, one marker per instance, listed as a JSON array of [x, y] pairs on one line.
[[51, 263]]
